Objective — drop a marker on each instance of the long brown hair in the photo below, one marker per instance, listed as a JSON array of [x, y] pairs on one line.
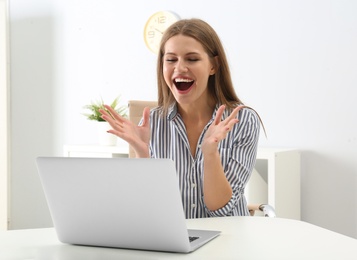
[[220, 84]]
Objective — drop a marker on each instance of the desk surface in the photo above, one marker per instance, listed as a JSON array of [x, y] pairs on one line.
[[241, 238]]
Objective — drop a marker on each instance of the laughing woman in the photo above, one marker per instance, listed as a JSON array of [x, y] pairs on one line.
[[200, 123]]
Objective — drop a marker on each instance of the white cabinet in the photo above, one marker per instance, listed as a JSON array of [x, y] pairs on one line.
[[276, 181], [121, 150]]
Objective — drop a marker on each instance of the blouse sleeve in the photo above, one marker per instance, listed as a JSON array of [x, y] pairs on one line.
[[238, 154]]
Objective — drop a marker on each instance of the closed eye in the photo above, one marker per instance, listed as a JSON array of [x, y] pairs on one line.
[[170, 60]]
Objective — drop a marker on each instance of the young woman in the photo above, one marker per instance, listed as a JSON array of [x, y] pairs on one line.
[[200, 123]]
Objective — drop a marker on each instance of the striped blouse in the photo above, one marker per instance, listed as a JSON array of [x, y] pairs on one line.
[[238, 153]]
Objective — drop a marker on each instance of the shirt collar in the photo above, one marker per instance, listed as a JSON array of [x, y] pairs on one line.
[[172, 111]]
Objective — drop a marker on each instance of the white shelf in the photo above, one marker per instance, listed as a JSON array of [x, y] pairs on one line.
[[121, 150], [276, 181]]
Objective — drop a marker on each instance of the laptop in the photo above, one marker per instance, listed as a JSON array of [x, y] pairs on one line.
[[118, 202]]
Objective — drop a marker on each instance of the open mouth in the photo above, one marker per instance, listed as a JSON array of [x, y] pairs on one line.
[[183, 84]]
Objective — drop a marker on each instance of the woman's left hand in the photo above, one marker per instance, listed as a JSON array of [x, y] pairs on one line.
[[218, 129]]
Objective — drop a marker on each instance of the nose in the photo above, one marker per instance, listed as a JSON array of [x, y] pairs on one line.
[[181, 66]]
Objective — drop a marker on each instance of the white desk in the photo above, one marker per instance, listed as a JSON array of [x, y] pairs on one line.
[[242, 238]]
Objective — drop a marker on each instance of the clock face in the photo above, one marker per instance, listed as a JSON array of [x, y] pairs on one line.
[[155, 27]]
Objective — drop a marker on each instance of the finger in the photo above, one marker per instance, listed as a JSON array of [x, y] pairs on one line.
[[239, 108], [107, 117], [219, 114], [230, 124], [118, 128], [234, 115], [146, 116], [103, 111], [111, 113], [115, 124], [236, 111], [117, 133]]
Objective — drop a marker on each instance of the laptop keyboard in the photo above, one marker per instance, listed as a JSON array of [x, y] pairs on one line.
[[192, 239]]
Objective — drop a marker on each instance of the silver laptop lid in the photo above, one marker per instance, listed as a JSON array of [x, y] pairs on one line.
[[115, 202]]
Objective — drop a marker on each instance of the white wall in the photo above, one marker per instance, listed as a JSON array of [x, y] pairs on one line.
[[4, 116], [294, 61]]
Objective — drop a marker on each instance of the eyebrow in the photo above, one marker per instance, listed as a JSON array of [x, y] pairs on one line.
[[189, 53]]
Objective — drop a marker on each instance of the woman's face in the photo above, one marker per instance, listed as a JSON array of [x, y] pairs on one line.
[[186, 69]]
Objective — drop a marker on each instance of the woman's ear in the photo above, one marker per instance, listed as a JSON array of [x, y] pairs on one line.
[[215, 65]]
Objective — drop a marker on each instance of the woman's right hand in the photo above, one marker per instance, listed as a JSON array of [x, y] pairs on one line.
[[137, 136]]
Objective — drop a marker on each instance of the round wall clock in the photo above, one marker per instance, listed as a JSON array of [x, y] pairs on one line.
[[155, 27]]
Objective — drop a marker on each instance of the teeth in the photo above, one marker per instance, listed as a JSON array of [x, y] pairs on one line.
[[183, 80]]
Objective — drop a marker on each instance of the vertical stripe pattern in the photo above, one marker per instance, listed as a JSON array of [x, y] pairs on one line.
[[238, 154]]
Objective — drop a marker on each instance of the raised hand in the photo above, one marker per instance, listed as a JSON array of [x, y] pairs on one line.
[[137, 136], [218, 129]]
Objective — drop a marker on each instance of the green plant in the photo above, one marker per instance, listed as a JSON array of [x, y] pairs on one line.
[[94, 107]]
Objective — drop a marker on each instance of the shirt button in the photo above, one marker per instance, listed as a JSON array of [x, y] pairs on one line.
[[193, 185], [193, 205]]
